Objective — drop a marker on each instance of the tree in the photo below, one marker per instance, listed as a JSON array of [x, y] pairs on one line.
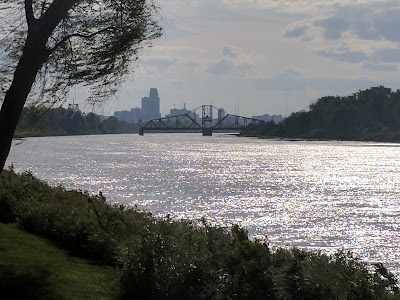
[[62, 43]]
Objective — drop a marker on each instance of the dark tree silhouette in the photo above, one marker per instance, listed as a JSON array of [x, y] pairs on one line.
[[56, 44], [369, 115]]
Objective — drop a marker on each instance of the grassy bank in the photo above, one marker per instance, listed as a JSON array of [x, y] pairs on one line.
[[138, 256], [33, 268]]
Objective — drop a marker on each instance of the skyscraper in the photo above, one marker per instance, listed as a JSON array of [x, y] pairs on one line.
[[151, 106]]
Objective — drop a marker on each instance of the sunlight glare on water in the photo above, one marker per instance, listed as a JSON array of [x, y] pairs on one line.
[[314, 195]]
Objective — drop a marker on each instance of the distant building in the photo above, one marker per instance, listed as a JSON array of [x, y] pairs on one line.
[[150, 109], [178, 111], [151, 106], [134, 115], [181, 111], [221, 113], [276, 118], [137, 114]]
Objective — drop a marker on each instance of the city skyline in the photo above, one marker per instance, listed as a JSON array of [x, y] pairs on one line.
[[150, 109], [273, 57]]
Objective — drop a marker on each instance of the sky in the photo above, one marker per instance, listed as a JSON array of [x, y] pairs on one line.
[[260, 57]]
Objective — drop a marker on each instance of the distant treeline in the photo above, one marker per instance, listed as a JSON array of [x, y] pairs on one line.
[[60, 121], [370, 115]]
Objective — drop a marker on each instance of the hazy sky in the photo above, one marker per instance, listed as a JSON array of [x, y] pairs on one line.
[[266, 56]]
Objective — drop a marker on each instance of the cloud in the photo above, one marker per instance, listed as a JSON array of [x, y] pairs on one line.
[[234, 62], [244, 68], [222, 67], [294, 81], [389, 55], [380, 67], [334, 27], [160, 63], [366, 30], [342, 53], [229, 51], [288, 81], [365, 20], [387, 23], [295, 31]]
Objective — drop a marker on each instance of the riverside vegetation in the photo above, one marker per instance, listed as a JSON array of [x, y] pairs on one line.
[[369, 115], [41, 121], [124, 253]]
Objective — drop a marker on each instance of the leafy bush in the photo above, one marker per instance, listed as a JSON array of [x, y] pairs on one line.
[[180, 260], [84, 224]]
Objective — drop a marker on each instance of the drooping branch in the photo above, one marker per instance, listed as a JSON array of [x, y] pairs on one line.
[[66, 42], [84, 36]]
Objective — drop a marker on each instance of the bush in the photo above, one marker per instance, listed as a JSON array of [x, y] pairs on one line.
[[84, 224], [180, 260]]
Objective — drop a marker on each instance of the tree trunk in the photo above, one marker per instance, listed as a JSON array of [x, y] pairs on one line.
[[33, 57]]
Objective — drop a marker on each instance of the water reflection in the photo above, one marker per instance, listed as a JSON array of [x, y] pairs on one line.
[[319, 195]]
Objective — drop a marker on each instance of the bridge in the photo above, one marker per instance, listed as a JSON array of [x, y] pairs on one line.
[[192, 122]]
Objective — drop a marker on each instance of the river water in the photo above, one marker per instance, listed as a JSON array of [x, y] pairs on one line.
[[313, 195]]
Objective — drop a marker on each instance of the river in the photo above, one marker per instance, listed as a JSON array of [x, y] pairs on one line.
[[310, 194]]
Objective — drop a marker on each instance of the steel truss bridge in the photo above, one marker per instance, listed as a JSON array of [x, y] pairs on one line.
[[192, 122]]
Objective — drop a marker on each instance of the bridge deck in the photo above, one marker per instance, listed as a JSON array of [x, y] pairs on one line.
[[189, 121]]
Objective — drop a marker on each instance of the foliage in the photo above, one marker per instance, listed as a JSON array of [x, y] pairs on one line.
[[86, 42], [58, 44], [171, 259], [84, 224], [370, 115], [180, 260], [60, 121]]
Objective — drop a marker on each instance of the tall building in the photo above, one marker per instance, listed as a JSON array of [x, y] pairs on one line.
[[221, 113], [137, 114], [151, 106], [150, 109]]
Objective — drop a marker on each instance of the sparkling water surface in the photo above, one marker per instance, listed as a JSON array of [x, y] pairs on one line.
[[314, 195]]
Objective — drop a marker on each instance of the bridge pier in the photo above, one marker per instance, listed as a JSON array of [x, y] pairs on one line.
[[207, 132]]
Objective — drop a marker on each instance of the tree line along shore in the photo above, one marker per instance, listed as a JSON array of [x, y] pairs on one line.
[[368, 115], [41, 121]]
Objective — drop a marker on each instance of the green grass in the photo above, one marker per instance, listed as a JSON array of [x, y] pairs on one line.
[[33, 268]]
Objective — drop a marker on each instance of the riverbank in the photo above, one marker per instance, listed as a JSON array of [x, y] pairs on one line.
[[309, 139], [32, 267], [160, 258]]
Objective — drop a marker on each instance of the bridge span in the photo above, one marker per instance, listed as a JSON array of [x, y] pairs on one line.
[[206, 123]]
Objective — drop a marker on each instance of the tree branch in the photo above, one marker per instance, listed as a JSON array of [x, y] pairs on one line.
[[56, 12], [85, 36], [30, 18]]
